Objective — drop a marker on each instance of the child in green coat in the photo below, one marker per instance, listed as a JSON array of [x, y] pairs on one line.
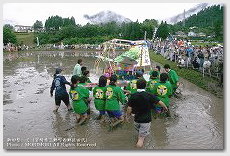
[[79, 96], [154, 78], [163, 90], [99, 97], [83, 83], [173, 77], [132, 86], [114, 95]]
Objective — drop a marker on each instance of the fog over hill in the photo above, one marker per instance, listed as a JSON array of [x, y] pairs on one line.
[[107, 16], [11, 22], [189, 12]]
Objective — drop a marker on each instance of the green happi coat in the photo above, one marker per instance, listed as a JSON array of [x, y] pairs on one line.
[[84, 84], [173, 79], [99, 97], [163, 91], [79, 97], [132, 86], [151, 84], [150, 73], [114, 95]]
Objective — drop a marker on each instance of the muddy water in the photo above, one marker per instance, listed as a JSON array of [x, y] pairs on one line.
[[29, 123]]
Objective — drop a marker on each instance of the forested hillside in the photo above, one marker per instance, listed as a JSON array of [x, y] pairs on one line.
[[210, 21]]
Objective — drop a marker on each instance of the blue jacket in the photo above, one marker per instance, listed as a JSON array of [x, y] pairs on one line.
[[59, 85]]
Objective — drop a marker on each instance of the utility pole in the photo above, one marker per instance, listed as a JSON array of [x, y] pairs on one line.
[[37, 41], [184, 19], [154, 32]]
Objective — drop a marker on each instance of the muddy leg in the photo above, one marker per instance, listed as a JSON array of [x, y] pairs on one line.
[[168, 114], [56, 109], [118, 121], [83, 119], [69, 108], [57, 104], [102, 119], [78, 118], [99, 117], [140, 142], [66, 102]]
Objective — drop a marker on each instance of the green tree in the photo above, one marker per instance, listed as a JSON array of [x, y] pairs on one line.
[[208, 20], [68, 21], [218, 30], [149, 26], [53, 23], [37, 26], [9, 26], [8, 35], [162, 31], [68, 32]]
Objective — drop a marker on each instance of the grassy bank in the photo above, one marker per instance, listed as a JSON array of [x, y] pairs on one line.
[[25, 38], [204, 44], [195, 77]]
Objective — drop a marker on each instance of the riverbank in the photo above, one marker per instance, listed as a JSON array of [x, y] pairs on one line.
[[207, 83]]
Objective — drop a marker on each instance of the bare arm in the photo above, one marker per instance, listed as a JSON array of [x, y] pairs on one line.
[[163, 105], [129, 110], [52, 88], [128, 113]]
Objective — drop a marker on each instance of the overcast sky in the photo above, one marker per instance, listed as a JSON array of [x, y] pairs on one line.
[[28, 13]]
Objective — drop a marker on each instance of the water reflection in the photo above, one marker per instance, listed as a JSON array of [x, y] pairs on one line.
[[159, 133], [59, 124]]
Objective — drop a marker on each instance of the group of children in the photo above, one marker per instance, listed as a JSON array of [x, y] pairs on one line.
[[140, 98]]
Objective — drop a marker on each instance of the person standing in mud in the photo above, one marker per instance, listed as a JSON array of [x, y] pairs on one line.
[[154, 78], [77, 69], [83, 69], [114, 95], [79, 95], [83, 82], [99, 97], [140, 104], [201, 57], [173, 77], [132, 87], [87, 75], [61, 94], [158, 69], [163, 90]]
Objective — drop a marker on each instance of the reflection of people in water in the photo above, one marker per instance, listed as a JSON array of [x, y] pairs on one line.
[[159, 133], [59, 125]]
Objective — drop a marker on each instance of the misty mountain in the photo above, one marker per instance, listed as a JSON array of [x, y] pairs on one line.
[[188, 13], [11, 22], [212, 16], [106, 17]]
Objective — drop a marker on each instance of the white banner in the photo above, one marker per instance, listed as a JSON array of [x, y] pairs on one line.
[[144, 59]]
